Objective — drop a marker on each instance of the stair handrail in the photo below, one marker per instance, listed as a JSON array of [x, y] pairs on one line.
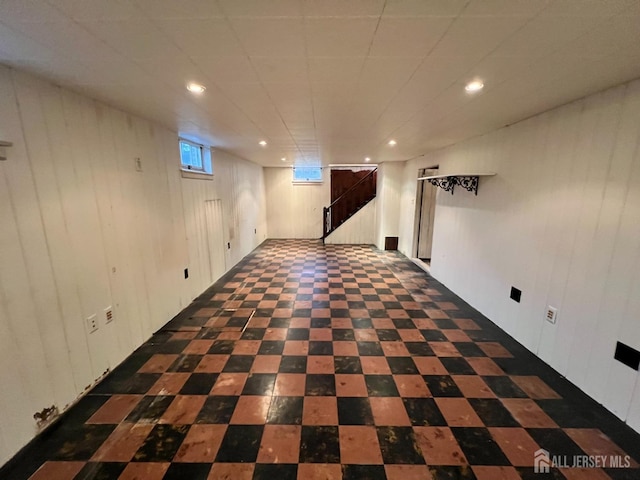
[[326, 211], [352, 187]]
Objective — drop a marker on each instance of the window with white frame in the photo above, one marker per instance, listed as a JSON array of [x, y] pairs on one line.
[[195, 158], [307, 174]]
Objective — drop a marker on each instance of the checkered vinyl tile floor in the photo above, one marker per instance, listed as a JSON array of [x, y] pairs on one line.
[[325, 362]]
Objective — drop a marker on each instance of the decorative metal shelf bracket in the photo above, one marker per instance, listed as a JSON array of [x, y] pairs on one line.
[[445, 183], [467, 181], [448, 183]]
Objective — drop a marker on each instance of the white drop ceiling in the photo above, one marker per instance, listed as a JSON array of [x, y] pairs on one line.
[[327, 81]]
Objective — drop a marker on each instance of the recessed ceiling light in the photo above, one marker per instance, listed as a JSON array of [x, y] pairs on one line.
[[367, 159], [392, 143], [263, 143], [474, 86], [195, 88], [283, 159]]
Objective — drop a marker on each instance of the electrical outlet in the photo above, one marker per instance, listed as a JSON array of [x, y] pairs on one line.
[[108, 314], [551, 314], [516, 294], [138, 163], [92, 323], [228, 245]]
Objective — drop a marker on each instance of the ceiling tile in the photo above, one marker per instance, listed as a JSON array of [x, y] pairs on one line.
[[260, 8], [69, 36], [390, 72], [33, 11], [137, 39], [202, 37], [227, 69], [475, 37], [339, 37], [326, 80], [270, 37], [412, 37], [281, 70], [335, 70], [436, 8], [98, 9], [185, 9], [340, 8], [526, 8]]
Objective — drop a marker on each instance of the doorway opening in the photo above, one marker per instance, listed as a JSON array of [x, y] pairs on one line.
[[424, 216]]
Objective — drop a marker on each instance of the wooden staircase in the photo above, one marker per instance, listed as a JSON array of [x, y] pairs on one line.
[[349, 203]]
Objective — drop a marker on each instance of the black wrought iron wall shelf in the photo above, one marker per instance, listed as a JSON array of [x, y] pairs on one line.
[[468, 181]]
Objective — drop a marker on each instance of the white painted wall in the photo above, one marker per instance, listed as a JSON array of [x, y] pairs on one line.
[[81, 229], [295, 210], [357, 230], [390, 176], [560, 221]]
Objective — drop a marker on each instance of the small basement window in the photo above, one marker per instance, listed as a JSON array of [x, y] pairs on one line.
[[195, 158], [307, 174]]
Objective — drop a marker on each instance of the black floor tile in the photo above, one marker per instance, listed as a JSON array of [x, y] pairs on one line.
[[398, 445], [259, 384], [218, 409], [402, 366], [433, 335], [343, 334], [320, 348], [222, 347], [368, 349], [100, 471], [381, 386], [279, 471], [388, 335], [319, 445], [446, 472], [555, 441], [149, 409], [504, 387], [478, 446], [192, 471], [424, 412], [240, 444], [320, 385], [293, 364], [347, 365], [419, 349], [362, 323], [354, 411], [298, 334], [185, 363], [442, 386], [239, 364], [285, 410], [199, 384], [161, 444], [492, 412], [457, 366], [271, 347], [363, 472]]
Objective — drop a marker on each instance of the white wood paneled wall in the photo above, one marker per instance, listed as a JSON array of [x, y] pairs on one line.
[[358, 230], [561, 222], [388, 201], [295, 210], [81, 230]]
